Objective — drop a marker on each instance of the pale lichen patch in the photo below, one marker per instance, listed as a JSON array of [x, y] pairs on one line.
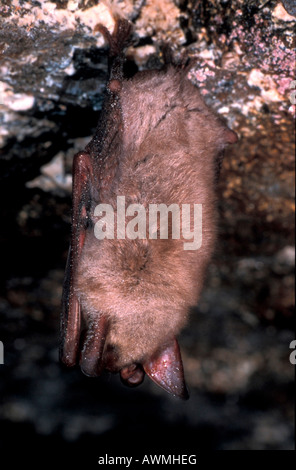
[[14, 101]]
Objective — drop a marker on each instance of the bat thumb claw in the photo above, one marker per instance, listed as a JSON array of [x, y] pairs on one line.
[[166, 370]]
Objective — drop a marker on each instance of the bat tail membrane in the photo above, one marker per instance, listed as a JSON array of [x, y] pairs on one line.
[[166, 370]]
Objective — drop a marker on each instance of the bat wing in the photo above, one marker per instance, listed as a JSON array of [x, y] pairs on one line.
[[166, 370], [83, 182]]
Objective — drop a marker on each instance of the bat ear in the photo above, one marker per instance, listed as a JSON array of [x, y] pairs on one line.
[[166, 370], [229, 137]]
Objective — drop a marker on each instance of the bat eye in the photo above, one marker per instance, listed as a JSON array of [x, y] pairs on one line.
[[132, 375]]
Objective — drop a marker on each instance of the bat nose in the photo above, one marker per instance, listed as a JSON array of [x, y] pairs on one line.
[[132, 375]]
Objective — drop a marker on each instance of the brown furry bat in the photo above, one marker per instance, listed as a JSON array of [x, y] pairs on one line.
[[125, 300]]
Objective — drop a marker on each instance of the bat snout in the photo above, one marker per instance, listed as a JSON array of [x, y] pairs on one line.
[[132, 375]]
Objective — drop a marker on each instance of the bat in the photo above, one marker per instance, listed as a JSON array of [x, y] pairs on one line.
[[126, 298]]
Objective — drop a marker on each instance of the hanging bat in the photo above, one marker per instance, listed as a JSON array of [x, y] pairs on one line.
[[126, 298]]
